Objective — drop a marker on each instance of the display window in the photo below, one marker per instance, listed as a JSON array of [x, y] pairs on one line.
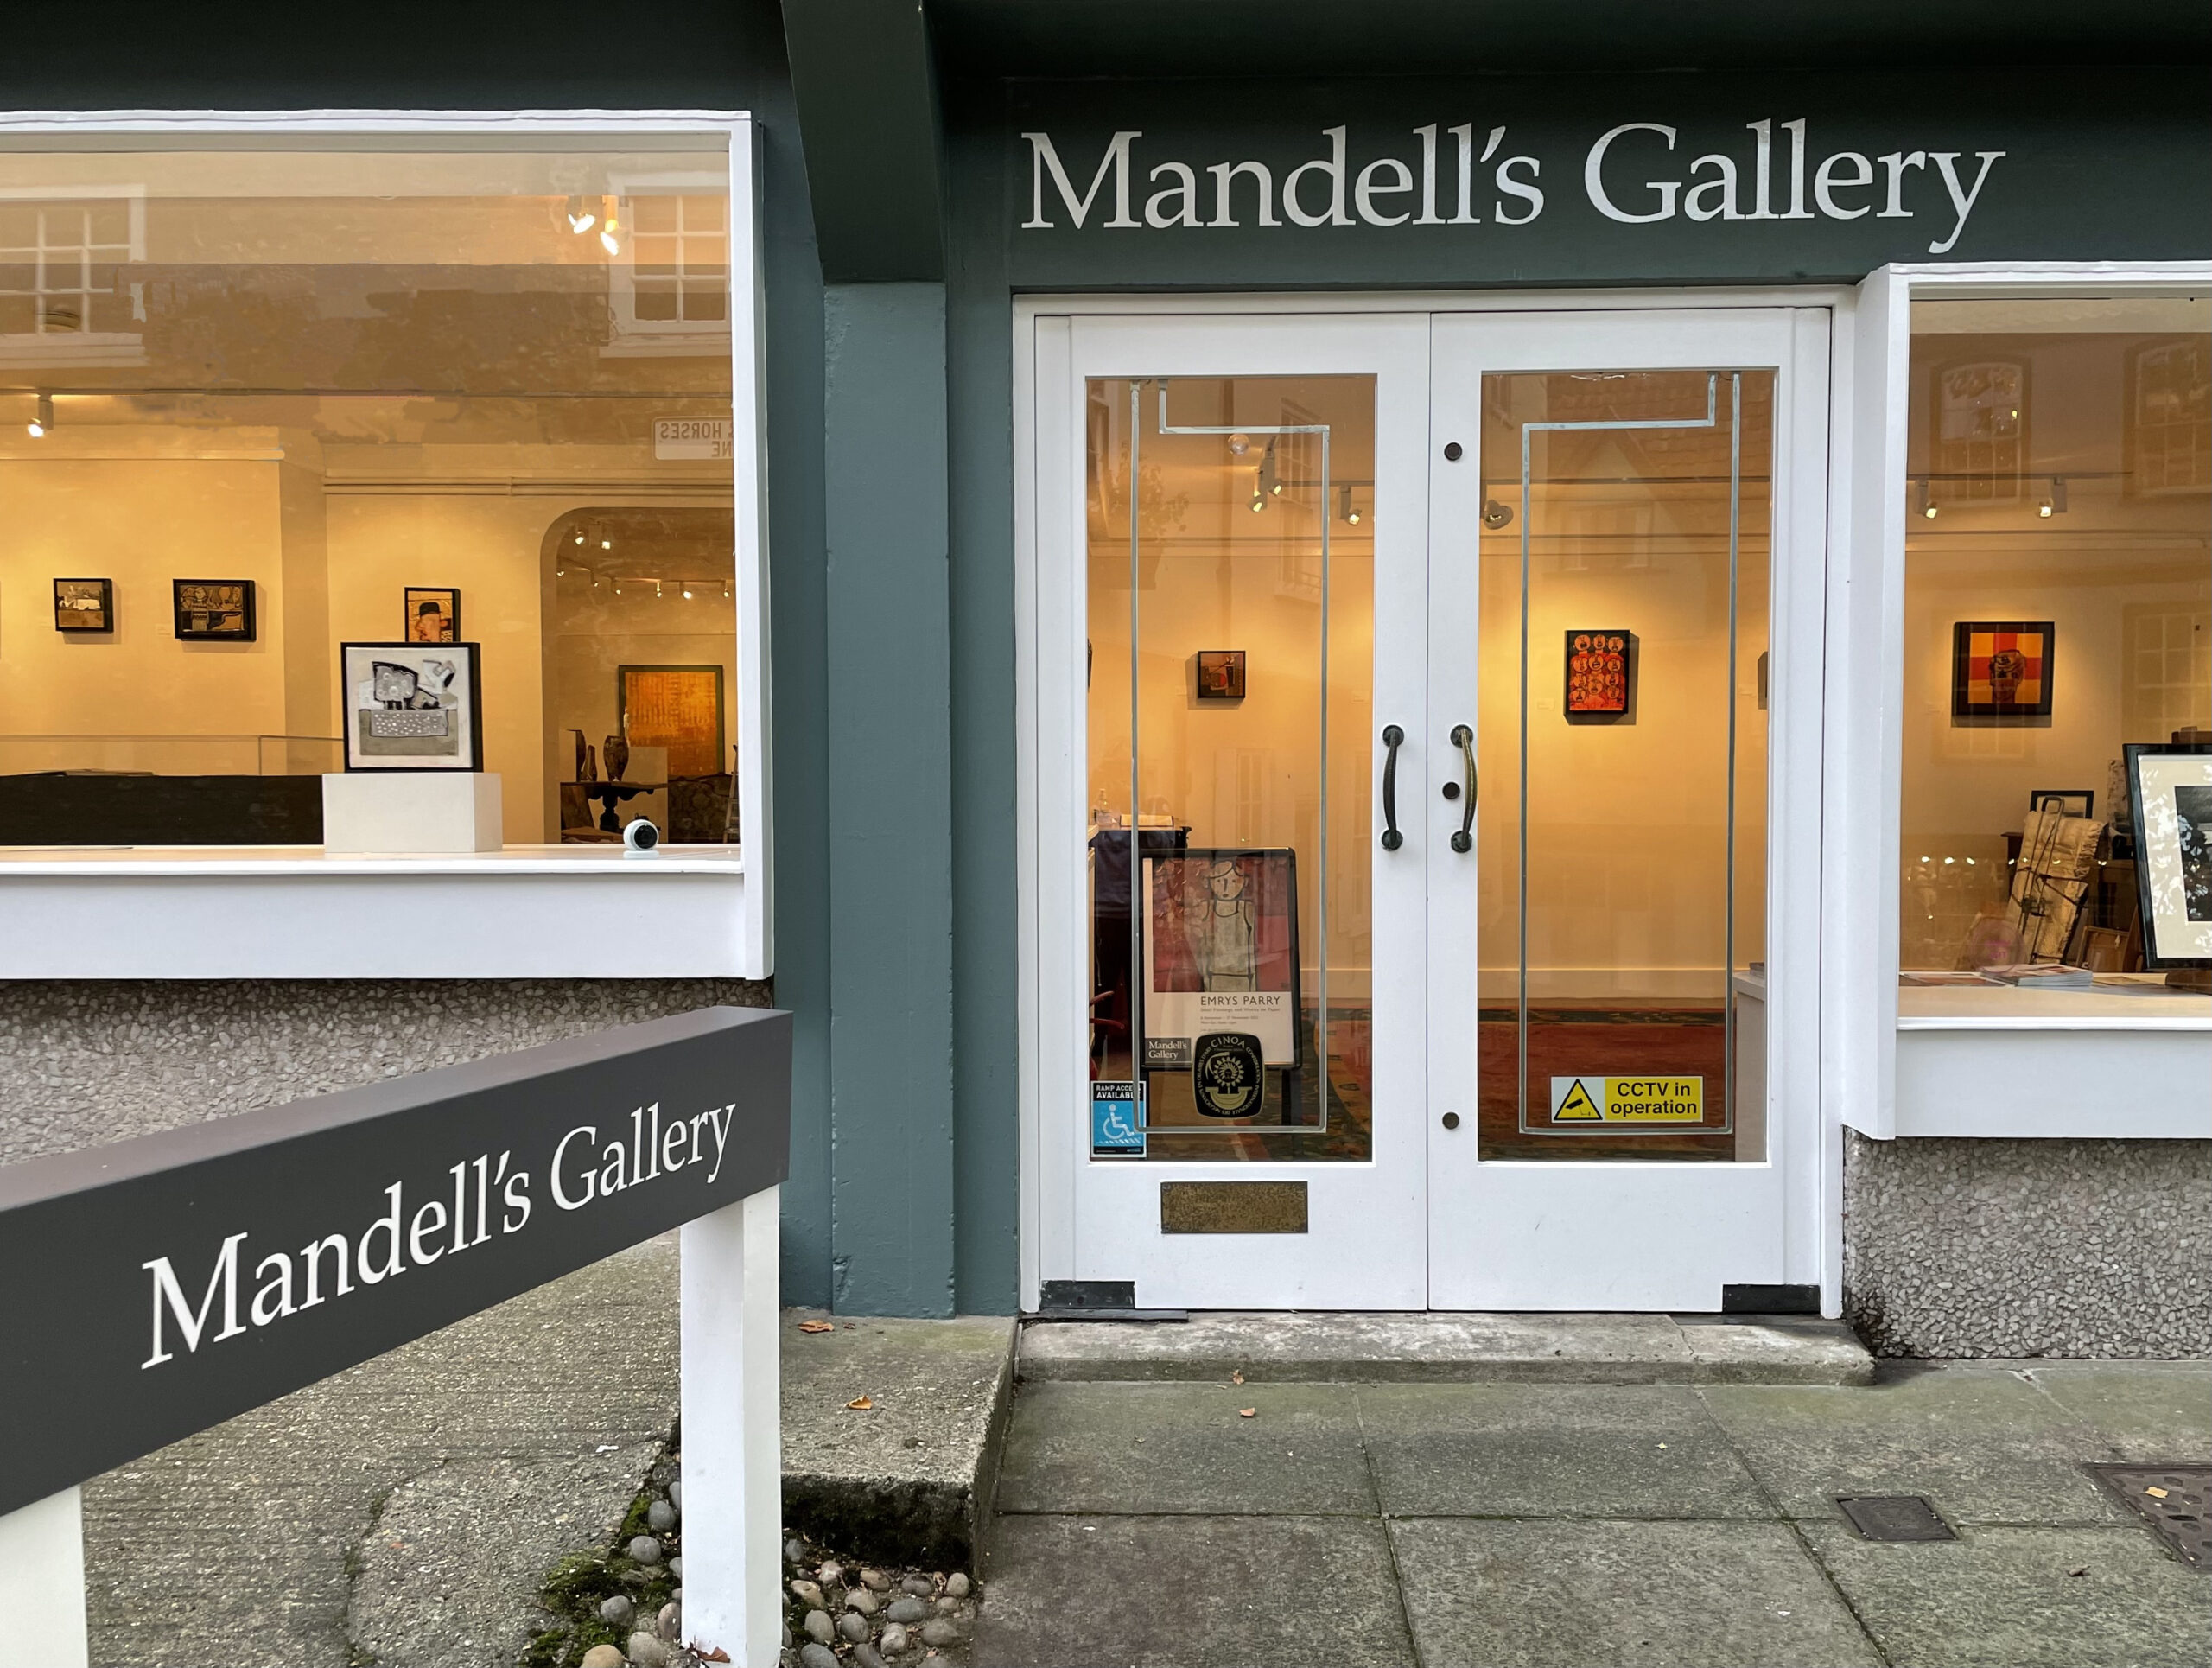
[[1231, 602], [2057, 714], [403, 450]]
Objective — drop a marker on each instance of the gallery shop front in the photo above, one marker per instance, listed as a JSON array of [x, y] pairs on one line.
[[1565, 689]]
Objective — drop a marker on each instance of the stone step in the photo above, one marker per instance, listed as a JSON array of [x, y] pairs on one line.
[[1468, 1348], [907, 1478]]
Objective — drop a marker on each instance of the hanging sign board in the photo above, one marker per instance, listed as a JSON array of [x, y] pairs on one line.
[[159, 1286]]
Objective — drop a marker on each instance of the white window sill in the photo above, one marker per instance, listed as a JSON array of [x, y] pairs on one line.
[[290, 912], [2110, 1065]]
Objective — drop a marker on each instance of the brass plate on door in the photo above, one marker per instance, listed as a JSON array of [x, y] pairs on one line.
[[1232, 1207]]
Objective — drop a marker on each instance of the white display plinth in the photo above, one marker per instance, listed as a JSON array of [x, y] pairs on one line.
[[409, 812]]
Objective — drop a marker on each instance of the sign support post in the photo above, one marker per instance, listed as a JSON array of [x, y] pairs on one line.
[[42, 1583], [731, 1436]]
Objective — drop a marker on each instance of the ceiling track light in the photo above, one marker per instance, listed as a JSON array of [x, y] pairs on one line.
[[1927, 498], [1345, 507], [607, 238], [43, 419], [580, 219], [2054, 501]]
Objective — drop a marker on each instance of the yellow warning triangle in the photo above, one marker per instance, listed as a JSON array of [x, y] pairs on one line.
[[1578, 1107]]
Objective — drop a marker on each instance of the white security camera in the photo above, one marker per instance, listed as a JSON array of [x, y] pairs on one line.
[[639, 836]]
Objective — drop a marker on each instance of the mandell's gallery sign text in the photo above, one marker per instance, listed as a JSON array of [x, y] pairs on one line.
[[592, 1163], [1634, 174]]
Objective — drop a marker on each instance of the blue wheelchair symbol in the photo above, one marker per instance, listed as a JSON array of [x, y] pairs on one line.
[[1114, 1126]]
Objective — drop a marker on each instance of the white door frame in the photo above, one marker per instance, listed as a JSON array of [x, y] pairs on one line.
[[1045, 742], [1551, 1233], [1102, 1218]]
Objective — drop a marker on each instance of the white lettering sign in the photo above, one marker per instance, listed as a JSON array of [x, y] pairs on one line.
[[1630, 175], [685, 439], [644, 1147]]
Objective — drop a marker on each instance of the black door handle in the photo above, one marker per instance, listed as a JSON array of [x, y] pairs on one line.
[[1464, 739], [1392, 736]]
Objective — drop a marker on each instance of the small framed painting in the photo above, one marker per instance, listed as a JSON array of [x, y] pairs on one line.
[[1221, 674], [214, 610], [1600, 673], [410, 706], [2170, 799], [84, 605], [2001, 668], [433, 614]]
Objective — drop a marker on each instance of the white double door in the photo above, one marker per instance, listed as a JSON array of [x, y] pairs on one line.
[[1590, 870]]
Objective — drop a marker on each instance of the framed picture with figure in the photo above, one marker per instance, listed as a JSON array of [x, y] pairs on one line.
[[1220, 952], [2169, 794], [432, 614]]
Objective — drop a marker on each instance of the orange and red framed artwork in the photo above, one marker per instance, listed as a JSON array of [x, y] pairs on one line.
[[2001, 668]]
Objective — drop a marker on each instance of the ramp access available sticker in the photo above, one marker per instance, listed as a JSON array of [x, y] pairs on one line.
[[1116, 1120], [1640, 1100]]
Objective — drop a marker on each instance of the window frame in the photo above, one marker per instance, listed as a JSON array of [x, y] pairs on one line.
[[352, 900], [1892, 1076]]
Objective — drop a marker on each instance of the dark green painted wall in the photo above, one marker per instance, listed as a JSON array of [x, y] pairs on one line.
[[890, 743]]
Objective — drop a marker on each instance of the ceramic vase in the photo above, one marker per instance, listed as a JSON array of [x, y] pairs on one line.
[[618, 758]]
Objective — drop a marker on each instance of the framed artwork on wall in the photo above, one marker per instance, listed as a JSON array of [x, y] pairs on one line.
[[433, 614], [2170, 800], [411, 707], [214, 610], [1600, 675], [84, 605], [679, 708], [2002, 668], [1221, 674]]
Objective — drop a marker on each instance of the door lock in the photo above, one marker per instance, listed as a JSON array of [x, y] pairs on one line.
[[1451, 1120]]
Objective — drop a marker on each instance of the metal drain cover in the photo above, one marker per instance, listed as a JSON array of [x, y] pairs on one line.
[[1894, 1518], [2175, 1500]]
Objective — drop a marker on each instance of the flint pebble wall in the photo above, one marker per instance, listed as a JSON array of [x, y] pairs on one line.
[[2029, 1248], [83, 1062]]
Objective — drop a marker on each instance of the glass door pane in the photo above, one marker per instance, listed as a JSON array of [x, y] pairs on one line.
[[1622, 819], [1231, 600]]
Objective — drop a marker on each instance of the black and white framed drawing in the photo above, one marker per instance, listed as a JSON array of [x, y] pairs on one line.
[[412, 706], [2169, 792]]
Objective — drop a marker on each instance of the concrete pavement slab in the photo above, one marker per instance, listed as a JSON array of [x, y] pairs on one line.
[[449, 1574], [1184, 1447], [1446, 1347], [233, 1545], [1180, 1592], [2149, 1411], [2012, 1598], [1579, 1595], [1553, 1451], [1980, 1443]]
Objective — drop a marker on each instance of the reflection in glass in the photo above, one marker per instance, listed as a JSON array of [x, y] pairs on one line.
[[2057, 608], [493, 368], [1231, 610], [1622, 827]]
